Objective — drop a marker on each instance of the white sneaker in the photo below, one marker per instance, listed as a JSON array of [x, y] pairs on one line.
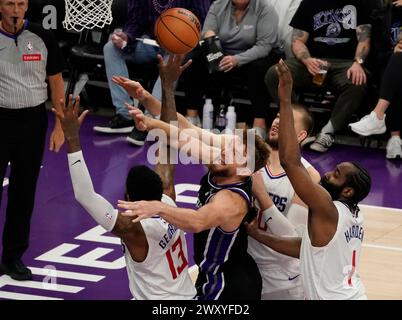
[[195, 121], [369, 125], [394, 148], [323, 142]]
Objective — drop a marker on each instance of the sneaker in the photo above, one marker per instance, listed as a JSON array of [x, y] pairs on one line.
[[195, 121], [323, 142], [137, 137], [118, 124], [369, 125], [394, 148], [17, 271]]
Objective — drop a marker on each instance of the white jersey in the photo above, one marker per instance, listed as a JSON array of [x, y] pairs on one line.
[[331, 272], [279, 272], [164, 273]]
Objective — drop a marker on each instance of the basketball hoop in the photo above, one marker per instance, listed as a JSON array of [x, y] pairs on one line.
[[80, 15], [87, 14]]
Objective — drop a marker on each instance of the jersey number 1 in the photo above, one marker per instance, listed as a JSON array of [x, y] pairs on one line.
[[177, 248]]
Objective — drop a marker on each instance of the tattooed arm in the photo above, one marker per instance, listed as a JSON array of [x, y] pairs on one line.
[[363, 36], [356, 72], [299, 40], [301, 52]]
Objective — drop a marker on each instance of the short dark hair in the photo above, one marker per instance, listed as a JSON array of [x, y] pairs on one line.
[[360, 180], [307, 117], [261, 151], [143, 184]]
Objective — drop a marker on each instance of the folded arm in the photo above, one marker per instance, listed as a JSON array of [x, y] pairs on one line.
[[289, 246], [271, 216]]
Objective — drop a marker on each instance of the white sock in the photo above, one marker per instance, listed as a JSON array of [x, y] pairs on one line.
[[377, 118], [328, 128]]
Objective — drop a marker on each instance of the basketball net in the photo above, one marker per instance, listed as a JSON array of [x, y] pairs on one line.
[[87, 14]]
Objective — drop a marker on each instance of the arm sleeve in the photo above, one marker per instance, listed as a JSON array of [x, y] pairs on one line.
[[297, 216], [278, 223], [267, 36], [98, 207]]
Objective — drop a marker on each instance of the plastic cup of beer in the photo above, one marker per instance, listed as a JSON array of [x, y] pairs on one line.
[[320, 77]]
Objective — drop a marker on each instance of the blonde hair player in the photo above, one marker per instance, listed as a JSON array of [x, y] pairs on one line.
[[226, 270]]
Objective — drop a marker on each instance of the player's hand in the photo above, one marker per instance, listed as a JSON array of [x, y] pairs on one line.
[[140, 120], [228, 63], [356, 74], [252, 228], [285, 85], [313, 65], [140, 210], [133, 88], [69, 119], [173, 68]]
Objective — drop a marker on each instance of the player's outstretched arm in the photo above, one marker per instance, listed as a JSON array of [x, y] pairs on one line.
[[98, 207], [164, 168], [226, 210], [154, 106], [312, 194], [176, 138]]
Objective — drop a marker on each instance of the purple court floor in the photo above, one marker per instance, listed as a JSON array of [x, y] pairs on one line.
[[88, 263]]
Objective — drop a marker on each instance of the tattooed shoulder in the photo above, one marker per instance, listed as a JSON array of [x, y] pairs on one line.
[[363, 32]]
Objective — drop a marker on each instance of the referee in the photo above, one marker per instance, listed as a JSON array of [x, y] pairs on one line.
[[28, 55]]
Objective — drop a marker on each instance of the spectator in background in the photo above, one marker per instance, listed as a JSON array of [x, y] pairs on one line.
[[335, 32], [247, 30], [390, 94], [124, 46], [285, 10]]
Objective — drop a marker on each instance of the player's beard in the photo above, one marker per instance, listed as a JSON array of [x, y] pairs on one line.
[[219, 171], [333, 190], [273, 142]]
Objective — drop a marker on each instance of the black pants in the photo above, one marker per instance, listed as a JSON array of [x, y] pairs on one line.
[[242, 281], [350, 95], [391, 90], [199, 82], [22, 141]]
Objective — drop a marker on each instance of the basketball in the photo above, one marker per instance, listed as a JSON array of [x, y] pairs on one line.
[[177, 30]]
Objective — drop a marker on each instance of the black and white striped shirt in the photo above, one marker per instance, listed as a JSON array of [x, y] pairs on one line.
[[24, 67]]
